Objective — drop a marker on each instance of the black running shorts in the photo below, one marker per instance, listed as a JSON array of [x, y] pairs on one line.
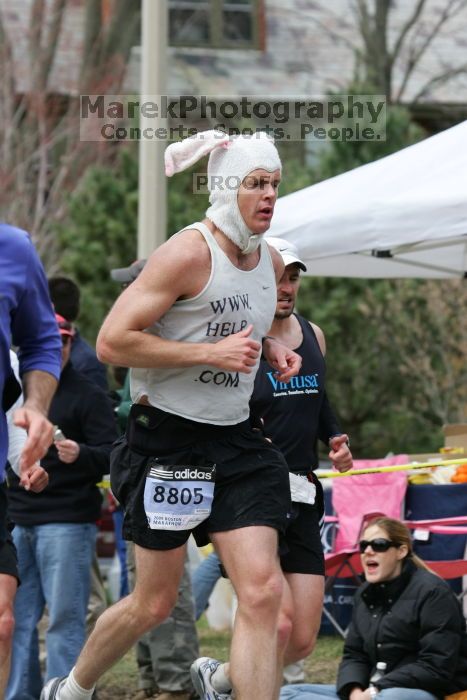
[[251, 487], [302, 551], [8, 559]]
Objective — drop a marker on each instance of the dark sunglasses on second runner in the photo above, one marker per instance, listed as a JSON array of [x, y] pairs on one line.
[[379, 544]]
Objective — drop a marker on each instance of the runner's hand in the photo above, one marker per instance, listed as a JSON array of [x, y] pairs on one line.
[[237, 352], [34, 479], [340, 454], [40, 436], [286, 362]]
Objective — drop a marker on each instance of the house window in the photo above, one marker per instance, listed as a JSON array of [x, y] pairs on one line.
[[215, 23]]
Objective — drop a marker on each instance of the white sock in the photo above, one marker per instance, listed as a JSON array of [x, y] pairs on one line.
[[70, 690], [220, 680]]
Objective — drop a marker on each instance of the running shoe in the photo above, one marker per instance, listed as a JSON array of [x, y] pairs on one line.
[[201, 673], [51, 688]]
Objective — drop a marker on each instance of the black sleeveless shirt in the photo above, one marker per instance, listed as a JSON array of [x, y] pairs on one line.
[[296, 414]]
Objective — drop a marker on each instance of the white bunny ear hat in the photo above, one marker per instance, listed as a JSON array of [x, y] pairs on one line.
[[231, 159]]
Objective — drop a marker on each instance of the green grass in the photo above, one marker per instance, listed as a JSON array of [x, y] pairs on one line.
[[320, 667]]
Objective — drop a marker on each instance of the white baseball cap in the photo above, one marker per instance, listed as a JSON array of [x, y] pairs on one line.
[[287, 250]]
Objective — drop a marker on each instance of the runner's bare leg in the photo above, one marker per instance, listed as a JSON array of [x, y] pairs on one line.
[[250, 558], [158, 574]]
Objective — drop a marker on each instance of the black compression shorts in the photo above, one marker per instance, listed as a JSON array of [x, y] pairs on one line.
[[303, 551], [251, 487]]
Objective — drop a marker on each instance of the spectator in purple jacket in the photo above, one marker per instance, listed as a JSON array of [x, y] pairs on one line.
[[55, 530], [26, 321]]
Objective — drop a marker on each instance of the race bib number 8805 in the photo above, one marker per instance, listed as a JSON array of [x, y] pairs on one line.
[[178, 497]]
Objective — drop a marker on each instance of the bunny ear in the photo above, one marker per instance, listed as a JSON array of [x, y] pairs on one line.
[[182, 154]]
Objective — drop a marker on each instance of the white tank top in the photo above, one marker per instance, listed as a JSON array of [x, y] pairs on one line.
[[231, 300]]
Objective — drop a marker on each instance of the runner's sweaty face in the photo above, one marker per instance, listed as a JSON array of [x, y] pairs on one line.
[[287, 290], [256, 199]]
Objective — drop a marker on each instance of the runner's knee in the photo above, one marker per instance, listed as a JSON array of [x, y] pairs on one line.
[[262, 592], [301, 644], [158, 609]]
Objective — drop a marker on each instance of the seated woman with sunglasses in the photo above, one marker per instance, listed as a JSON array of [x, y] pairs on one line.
[[405, 616]]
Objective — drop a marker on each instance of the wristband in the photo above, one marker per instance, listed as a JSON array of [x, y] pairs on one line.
[[268, 337]]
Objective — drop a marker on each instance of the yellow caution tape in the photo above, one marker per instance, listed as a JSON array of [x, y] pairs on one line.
[[369, 470], [395, 468]]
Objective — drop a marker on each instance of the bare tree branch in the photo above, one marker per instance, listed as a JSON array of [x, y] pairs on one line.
[[336, 36], [373, 29], [109, 46], [93, 39], [364, 20], [405, 30], [36, 25], [92, 30], [126, 16], [374, 57], [451, 9], [440, 78], [42, 56], [48, 50], [7, 107], [42, 158]]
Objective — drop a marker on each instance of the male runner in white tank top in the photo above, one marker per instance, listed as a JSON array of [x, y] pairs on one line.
[[193, 323], [294, 416]]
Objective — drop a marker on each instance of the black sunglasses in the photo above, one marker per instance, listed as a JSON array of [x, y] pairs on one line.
[[379, 544]]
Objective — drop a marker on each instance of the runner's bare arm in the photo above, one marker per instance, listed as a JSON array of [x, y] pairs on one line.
[[179, 269], [319, 337]]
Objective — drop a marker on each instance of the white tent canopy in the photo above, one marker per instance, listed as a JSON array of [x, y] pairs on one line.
[[404, 215]]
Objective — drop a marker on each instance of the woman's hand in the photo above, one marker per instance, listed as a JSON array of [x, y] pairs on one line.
[[359, 694]]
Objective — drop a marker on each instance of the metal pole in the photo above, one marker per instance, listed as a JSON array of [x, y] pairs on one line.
[[152, 207]]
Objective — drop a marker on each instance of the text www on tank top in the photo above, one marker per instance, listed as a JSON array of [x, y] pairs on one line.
[[223, 328]]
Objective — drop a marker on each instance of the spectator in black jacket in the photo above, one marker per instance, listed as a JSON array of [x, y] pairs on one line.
[[404, 616], [65, 296], [56, 530]]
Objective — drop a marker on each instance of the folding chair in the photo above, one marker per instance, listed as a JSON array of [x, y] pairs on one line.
[[457, 525], [355, 500]]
